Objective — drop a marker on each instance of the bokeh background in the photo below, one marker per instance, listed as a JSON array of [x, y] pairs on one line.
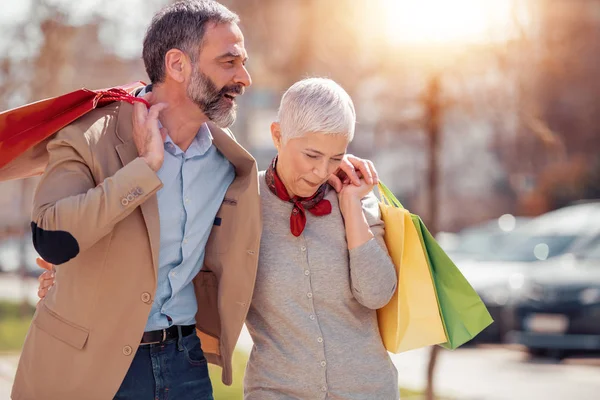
[[481, 116]]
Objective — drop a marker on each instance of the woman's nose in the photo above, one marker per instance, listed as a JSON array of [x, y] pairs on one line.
[[321, 171]]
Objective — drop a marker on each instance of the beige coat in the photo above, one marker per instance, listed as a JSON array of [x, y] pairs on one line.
[[85, 333]]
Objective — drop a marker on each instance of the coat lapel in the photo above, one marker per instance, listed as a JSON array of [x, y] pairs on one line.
[[223, 140], [127, 153]]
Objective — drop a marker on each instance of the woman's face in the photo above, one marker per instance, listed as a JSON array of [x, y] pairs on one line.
[[305, 163]]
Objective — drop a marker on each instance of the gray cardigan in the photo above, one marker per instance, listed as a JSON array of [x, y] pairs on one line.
[[312, 317]]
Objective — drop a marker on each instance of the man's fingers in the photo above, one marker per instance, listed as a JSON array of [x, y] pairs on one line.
[[155, 111], [44, 264], [148, 97], [42, 293], [46, 283], [140, 113]]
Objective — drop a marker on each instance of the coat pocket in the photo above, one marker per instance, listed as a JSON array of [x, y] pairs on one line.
[[223, 227], [59, 328]]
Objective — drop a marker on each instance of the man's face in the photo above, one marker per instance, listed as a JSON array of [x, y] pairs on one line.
[[219, 74]]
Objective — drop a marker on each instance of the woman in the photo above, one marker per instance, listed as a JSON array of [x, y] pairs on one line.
[[323, 266]]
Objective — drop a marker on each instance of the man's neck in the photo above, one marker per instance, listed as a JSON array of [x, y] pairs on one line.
[[182, 118]]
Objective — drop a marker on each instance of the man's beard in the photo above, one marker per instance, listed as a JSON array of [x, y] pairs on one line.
[[212, 101]]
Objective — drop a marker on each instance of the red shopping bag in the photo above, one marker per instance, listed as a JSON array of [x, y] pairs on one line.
[[25, 131]]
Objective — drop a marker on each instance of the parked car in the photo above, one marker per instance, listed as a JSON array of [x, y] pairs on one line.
[[498, 275], [558, 308], [479, 241], [17, 250]]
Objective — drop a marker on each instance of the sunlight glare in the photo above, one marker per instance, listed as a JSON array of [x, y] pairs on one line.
[[445, 21]]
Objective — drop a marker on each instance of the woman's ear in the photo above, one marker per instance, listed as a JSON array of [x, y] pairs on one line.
[[276, 135]]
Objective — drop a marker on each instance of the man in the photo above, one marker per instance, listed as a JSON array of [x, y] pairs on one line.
[[153, 219]]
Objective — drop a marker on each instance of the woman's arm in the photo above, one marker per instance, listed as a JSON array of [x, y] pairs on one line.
[[372, 273]]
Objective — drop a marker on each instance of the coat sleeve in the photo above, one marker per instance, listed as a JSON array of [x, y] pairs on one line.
[[372, 271], [71, 211]]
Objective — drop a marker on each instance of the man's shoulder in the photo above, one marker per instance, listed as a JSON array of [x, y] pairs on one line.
[[96, 126]]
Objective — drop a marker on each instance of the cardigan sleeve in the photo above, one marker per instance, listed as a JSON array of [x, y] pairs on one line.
[[372, 272]]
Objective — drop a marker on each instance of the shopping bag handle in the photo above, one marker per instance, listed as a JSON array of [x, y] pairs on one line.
[[388, 196]]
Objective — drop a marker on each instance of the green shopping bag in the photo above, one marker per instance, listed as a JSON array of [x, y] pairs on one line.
[[463, 313]]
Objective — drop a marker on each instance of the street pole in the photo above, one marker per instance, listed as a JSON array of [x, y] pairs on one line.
[[433, 116]]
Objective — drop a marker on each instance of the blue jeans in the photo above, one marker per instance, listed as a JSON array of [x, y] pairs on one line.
[[175, 369]]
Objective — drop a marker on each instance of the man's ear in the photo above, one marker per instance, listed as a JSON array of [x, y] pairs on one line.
[[178, 66]]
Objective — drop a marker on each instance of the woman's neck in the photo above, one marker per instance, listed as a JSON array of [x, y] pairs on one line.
[[283, 179]]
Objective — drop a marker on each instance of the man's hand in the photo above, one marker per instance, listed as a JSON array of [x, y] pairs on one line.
[[347, 173], [149, 139], [46, 279]]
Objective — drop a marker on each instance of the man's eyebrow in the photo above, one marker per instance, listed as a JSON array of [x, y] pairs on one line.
[[231, 54]]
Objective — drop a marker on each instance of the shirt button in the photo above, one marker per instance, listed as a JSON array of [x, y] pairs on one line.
[[127, 350], [173, 273], [324, 389], [303, 248], [146, 297], [295, 211], [307, 272], [320, 340], [309, 295], [323, 363], [312, 317], [185, 241], [187, 200]]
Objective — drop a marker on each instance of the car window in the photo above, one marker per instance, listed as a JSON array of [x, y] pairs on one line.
[[533, 248], [592, 250]]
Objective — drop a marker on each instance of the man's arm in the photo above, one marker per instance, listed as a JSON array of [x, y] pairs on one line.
[[71, 211]]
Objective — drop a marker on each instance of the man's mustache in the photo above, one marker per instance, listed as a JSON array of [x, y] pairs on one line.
[[232, 89]]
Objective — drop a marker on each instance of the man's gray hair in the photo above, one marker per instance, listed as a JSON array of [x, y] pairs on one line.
[[180, 26], [316, 105]]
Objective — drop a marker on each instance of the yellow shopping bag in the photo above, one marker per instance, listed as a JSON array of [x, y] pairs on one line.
[[412, 317]]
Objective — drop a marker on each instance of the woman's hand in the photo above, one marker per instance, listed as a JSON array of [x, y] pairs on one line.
[[351, 195], [358, 231], [46, 279], [351, 170]]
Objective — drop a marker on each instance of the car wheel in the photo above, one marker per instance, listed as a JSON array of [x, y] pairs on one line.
[[557, 354], [536, 352]]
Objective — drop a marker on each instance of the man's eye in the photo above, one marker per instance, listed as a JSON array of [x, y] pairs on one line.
[[311, 156]]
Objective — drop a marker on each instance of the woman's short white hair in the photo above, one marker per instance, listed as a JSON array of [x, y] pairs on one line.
[[316, 105]]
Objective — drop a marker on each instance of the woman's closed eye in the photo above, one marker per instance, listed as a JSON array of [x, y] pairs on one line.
[[315, 157]]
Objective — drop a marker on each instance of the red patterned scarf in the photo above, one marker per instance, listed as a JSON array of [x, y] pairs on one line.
[[316, 204]]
